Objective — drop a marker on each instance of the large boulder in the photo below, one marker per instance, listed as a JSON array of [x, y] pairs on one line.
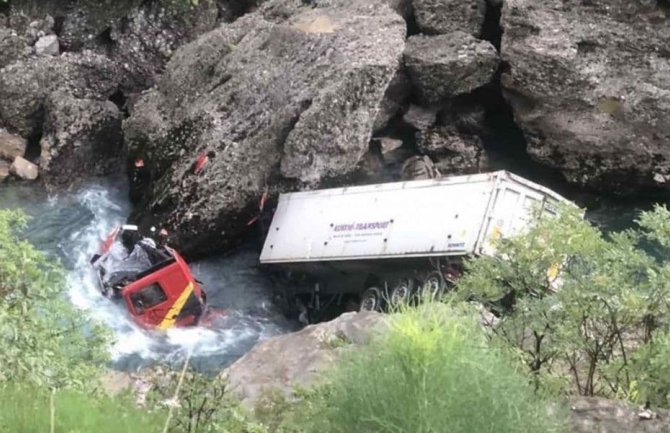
[[13, 47], [139, 35], [280, 364], [24, 169], [589, 83], [11, 146], [81, 136], [287, 92], [446, 16], [25, 85], [447, 65]]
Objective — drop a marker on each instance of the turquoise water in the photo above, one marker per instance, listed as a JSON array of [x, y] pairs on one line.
[[71, 225]]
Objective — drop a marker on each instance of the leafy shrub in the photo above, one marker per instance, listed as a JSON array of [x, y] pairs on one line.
[[650, 366], [202, 405], [433, 372], [43, 340], [28, 410], [611, 295]]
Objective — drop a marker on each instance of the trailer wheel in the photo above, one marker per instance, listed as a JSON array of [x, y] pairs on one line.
[[371, 300], [432, 287], [401, 291]]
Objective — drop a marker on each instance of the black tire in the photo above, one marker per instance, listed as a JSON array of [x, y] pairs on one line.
[[433, 286], [371, 300], [401, 291]]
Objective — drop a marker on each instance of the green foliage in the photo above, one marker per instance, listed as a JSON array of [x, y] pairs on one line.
[[43, 340], [433, 372], [611, 295], [203, 405], [28, 410]]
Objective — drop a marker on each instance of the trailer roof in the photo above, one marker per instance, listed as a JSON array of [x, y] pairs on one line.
[[469, 178]]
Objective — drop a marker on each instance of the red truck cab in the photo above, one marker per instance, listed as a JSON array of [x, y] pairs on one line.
[[162, 295]]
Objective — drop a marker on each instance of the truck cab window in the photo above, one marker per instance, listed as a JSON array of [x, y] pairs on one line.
[[148, 297]]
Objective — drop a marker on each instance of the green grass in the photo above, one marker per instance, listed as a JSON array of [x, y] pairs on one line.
[[434, 372], [28, 410]]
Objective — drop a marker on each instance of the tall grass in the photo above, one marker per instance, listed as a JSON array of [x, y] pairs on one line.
[[433, 372], [28, 410]]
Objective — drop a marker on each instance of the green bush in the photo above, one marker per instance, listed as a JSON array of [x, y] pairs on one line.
[[433, 372], [611, 296], [43, 339], [202, 405], [28, 410]]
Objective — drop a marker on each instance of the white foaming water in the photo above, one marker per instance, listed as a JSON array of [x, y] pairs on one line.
[[79, 222]]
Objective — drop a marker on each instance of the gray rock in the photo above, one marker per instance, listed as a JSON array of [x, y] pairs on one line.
[[82, 137], [4, 170], [288, 361], [23, 169], [140, 36], [395, 97], [454, 152], [11, 146], [447, 65], [12, 47], [446, 16], [25, 85], [146, 37], [420, 117], [589, 83], [288, 91], [47, 46], [597, 415]]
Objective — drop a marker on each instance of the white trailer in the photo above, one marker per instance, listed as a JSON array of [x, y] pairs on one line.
[[378, 232]]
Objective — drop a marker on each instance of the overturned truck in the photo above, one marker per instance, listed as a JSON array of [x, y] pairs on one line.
[[367, 246]]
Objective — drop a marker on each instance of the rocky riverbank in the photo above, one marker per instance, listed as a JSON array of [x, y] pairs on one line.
[[289, 94]]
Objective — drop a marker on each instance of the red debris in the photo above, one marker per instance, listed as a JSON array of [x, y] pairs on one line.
[[200, 162]]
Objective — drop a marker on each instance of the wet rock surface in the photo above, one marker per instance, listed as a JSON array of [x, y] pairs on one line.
[[589, 83], [288, 93], [285, 362]]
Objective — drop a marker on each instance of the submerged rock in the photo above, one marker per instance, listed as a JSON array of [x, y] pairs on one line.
[[589, 83], [287, 92], [448, 65], [280, 364]]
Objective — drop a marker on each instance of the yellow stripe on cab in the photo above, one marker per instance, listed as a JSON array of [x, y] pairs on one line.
[[171, 316]]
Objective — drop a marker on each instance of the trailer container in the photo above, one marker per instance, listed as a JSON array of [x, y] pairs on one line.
[[375, 242]]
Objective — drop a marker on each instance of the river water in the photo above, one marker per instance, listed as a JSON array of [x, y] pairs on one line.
[[71, 226]]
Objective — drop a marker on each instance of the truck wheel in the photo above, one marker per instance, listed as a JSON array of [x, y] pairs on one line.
[[432, 287], [401, 291], [371, 300]]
